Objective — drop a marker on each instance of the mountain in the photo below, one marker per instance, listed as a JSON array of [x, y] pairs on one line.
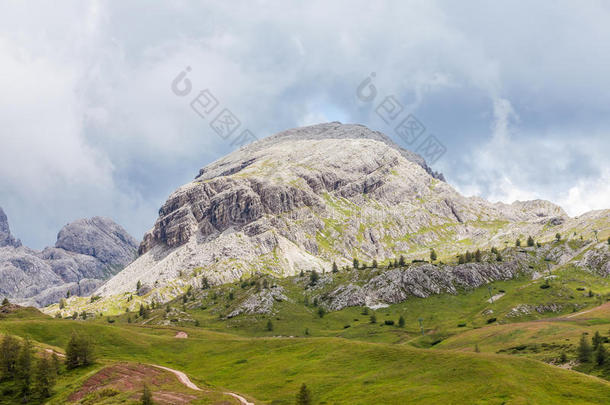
[[87, 252], [306, 197]]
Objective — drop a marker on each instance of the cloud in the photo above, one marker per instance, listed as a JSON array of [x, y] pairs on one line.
[[91, 127]]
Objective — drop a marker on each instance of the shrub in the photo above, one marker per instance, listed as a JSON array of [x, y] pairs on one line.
[[321, 312], [388, 322], [491, 320]]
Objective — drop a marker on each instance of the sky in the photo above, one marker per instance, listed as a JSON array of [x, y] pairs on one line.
[[92, 123]]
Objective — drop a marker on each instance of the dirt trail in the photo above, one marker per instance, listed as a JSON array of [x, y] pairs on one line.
[[51, 351], [588, 310], [183, 378]]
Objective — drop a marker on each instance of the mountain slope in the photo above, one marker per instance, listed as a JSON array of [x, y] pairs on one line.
[[306, 197], [87, 252]]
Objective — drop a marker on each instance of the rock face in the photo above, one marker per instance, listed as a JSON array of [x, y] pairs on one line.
[[6, 239], [306, 197], [397, 285], [100, 238], [87, 252], [597, 260]]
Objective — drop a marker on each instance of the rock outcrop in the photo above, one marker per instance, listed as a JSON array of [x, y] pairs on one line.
[[6, 239], [397, 285], [87, 252], [306, 197], [260, 303]]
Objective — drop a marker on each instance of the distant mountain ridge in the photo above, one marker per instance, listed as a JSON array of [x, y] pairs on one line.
[[87, 252]]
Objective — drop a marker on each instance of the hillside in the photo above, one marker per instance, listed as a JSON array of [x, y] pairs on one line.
[[270, 370]]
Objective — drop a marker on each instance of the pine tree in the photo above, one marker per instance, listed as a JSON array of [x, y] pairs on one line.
[[321, 312], [498, 257], [494, 250], [55, 364], [468, 257], [584, 350], [402, 262], [313, 278], [401, 321], [596, 340], [44, 377], [433, 256], [304, 396], [138, 285], [72, 353], [530, 241], [461, 259], [269, 325], [557, 237], [355, 263], [373, 318], [9, 352], [5, 302], [601, 355], [335, 268], [146, 396], [24, 369], [477, 255], [62, 303], [518, 243], [374, 265], [79, 352]]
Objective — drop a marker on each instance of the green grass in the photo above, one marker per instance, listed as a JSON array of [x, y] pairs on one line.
[[337, 370]]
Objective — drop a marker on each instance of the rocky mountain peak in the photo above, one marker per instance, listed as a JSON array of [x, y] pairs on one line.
[[327, 131], [98, 237], [6, 239], [87, 252]]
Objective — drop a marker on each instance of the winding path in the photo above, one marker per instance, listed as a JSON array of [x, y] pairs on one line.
[[186, 381]]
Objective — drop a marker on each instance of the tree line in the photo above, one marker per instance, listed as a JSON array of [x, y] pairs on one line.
[[31, 374]]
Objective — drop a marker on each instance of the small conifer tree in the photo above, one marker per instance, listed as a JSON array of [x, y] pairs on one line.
[[304, 396], [584, 350]]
